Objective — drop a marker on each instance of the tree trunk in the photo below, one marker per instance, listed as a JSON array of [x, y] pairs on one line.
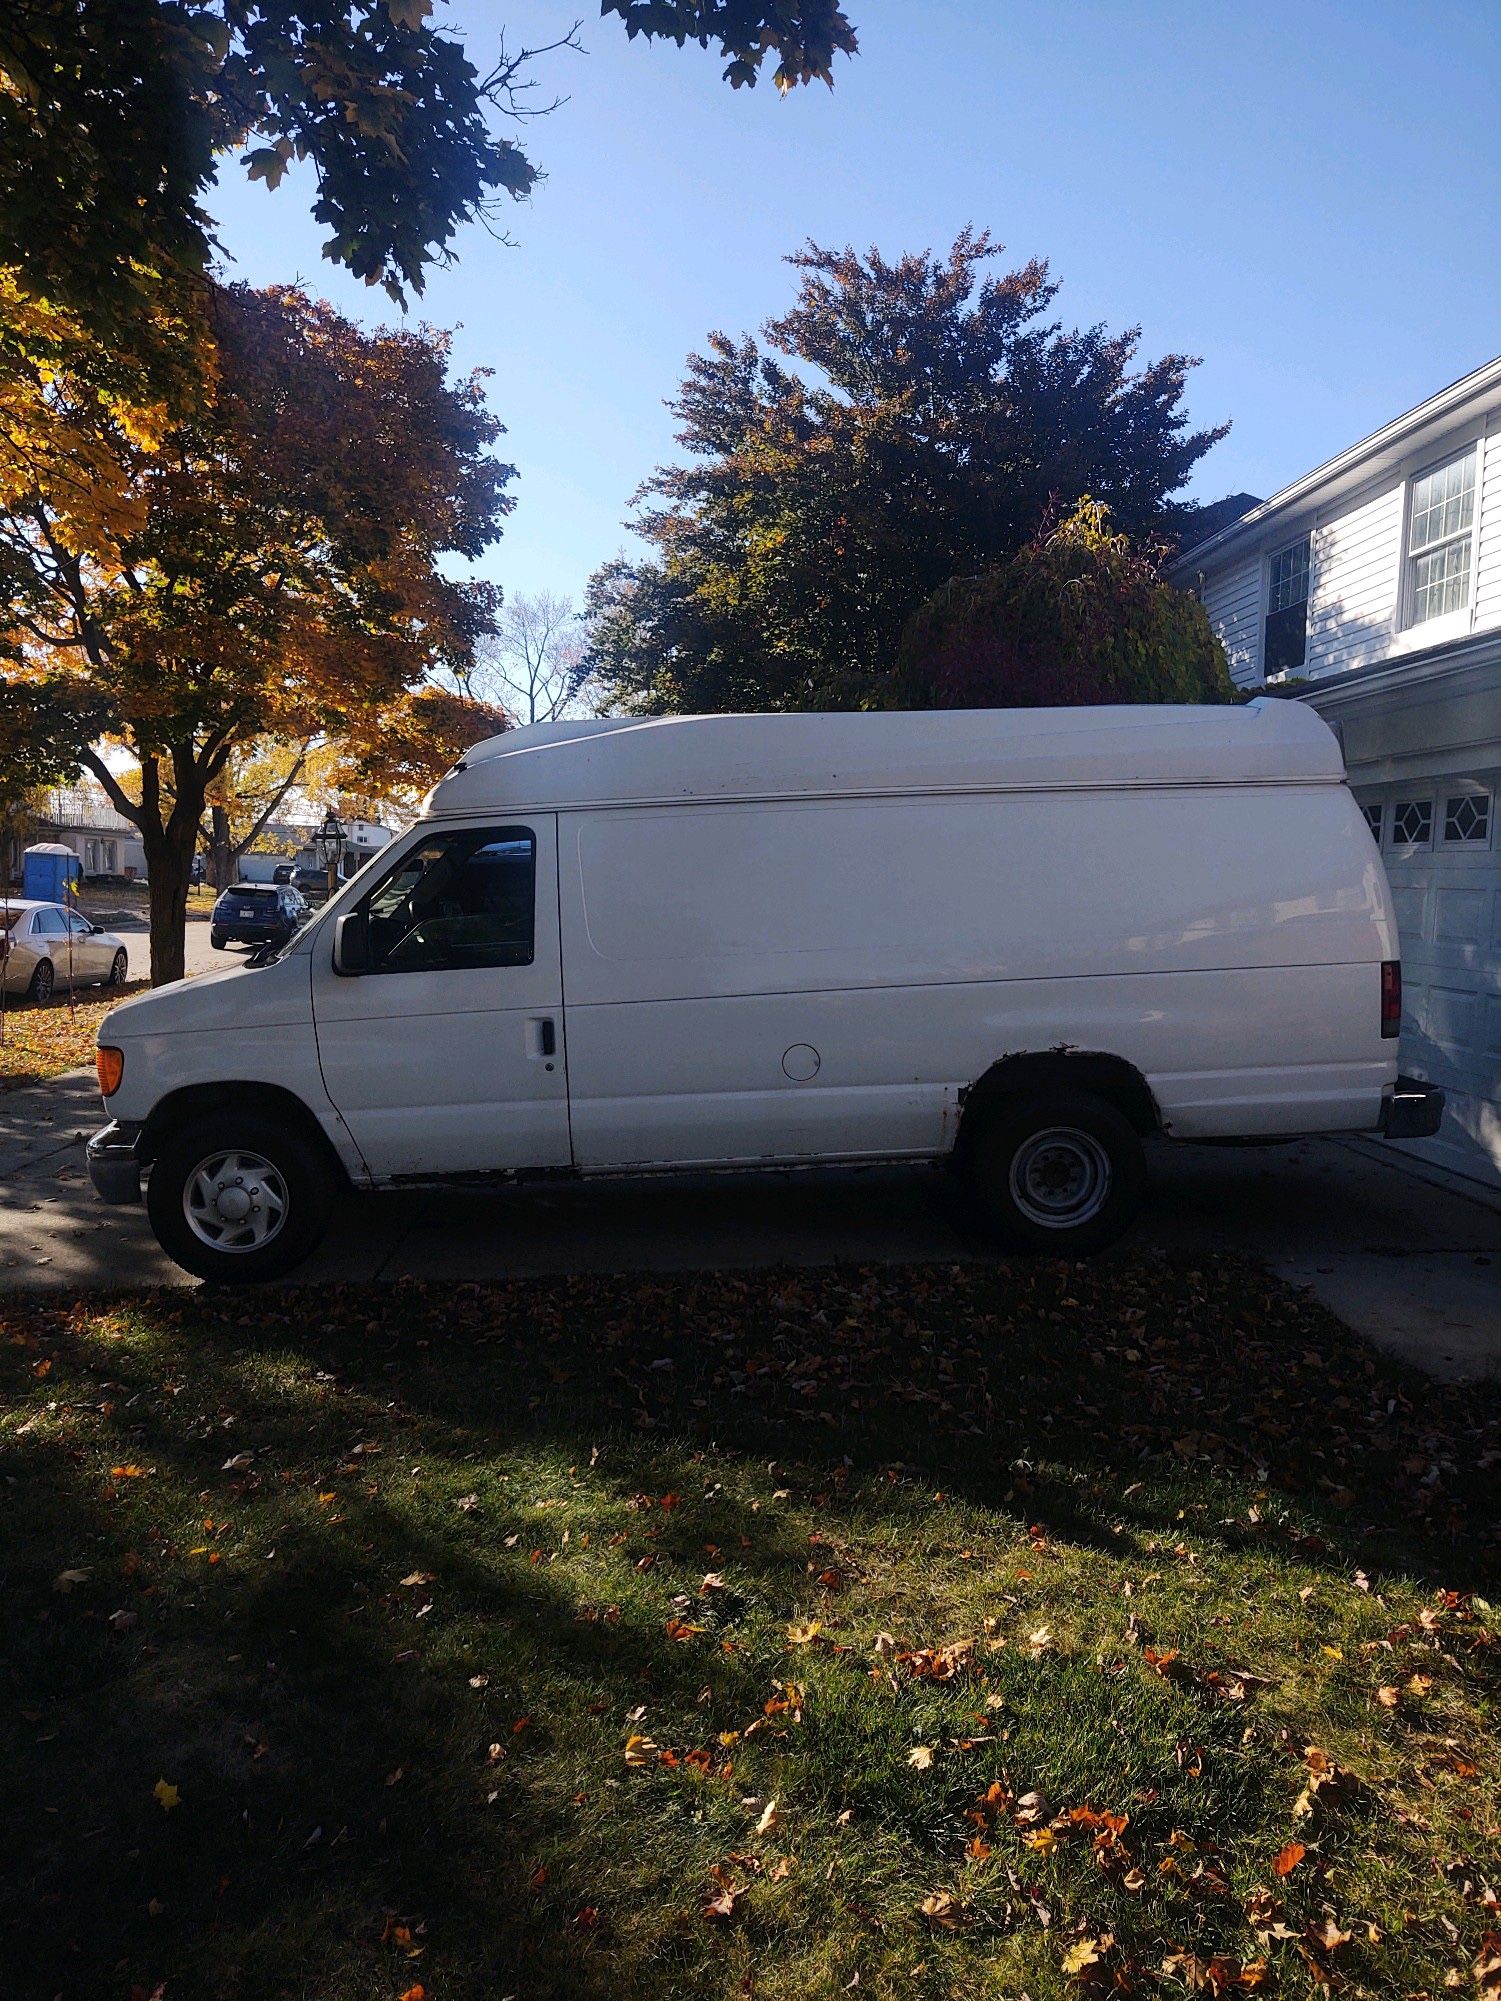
[[169, 865], [222, 854]]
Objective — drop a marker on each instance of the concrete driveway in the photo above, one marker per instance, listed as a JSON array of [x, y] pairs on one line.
[[1413, 1265]]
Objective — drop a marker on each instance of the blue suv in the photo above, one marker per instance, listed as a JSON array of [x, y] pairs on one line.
[[256, 913]]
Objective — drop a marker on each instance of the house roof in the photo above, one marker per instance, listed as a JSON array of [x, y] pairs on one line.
[[678, 760], [1356, 463]]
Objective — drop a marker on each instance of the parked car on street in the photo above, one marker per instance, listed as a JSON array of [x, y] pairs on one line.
[[313, 883], [44, 946], [256, 913], [1020, 939], [284, 871]]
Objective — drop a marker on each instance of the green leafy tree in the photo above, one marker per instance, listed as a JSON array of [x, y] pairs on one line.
[[905, 423], [287, 577], [114, 112], [1079, 615]]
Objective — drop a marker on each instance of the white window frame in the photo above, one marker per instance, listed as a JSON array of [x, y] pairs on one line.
[[1268, 557], [1445, 625], [1263, 601], [1417, 796], [1451, 790]]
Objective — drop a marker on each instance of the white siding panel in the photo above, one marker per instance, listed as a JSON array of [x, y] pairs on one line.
[[1353, 595], [1488, 557], [1232, 598]]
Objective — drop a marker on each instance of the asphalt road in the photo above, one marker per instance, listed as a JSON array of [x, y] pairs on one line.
[[128, 920], [1414, 1265]]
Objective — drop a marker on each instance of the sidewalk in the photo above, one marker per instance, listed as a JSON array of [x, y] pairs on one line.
[[1411, 1263]]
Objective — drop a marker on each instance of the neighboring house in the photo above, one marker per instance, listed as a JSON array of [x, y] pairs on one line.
[[286, 842], [1372, 587], [362, 839], [83, 819]]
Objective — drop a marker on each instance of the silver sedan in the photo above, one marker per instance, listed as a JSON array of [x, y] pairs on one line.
[[44, 946]]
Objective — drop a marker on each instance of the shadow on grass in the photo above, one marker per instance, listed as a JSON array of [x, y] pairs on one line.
[[390, 1659]]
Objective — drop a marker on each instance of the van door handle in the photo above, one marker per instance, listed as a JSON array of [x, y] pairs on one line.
[[549, 1037]]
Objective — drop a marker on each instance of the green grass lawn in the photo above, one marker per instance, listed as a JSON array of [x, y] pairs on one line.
[[994, 1631]]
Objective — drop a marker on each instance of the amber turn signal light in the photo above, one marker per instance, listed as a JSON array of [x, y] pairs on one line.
[[110, 1065]]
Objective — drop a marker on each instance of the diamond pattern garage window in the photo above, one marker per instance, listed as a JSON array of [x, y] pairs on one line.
[[1467, 818], [1412, 823], [1375, 813]]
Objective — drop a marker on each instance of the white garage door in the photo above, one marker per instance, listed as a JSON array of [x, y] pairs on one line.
[[1442, 849]]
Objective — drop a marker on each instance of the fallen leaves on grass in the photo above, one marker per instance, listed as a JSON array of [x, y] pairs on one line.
[[44, 1041]]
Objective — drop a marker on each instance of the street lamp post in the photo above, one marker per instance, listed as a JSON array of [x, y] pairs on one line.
[[329, 841]]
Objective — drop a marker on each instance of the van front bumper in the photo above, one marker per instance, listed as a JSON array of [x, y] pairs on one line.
[[114, 1165], [1413, 1111]]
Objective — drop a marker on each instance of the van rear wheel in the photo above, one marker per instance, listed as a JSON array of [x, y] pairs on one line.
[[1058, 1171], [238, 1198]]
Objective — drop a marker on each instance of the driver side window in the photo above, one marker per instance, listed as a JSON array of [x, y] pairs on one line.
[[457, 901]]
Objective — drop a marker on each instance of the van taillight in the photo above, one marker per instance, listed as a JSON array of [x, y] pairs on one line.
[[1391, 997]]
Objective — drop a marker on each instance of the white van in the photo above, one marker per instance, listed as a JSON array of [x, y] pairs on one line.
[[1024, 938]]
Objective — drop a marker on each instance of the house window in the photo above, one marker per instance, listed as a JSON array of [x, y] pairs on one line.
[[1441, 529], [1375, 811], [1467, 817], [1412, 823], [1285, 635]]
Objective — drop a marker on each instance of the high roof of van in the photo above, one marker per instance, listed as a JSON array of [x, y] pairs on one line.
[[670, 760]]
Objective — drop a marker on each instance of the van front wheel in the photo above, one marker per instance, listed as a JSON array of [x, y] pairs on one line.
[[1060, 1172], [238, 1198]]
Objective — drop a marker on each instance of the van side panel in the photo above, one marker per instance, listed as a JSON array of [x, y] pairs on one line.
[[800, 980]]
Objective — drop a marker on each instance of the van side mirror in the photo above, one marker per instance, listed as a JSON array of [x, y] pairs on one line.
[[352, 943]]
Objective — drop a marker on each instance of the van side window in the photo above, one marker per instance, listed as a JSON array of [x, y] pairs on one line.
[[457, 902]]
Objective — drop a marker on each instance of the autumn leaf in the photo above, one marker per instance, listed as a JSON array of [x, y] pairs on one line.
[[921, 1757], [771, 1818], [804, 1635], [166, 1796], [1081, 1956], [65, 1580], [1327, 1935], [641, 1751], [1488, 1967], [940, 1908], [1287, 1859]]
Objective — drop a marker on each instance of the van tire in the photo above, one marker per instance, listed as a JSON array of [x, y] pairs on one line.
[[278, 1166], [1057, 1172]]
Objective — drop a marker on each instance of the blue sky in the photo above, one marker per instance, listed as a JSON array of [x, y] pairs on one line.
[[1307, 195]]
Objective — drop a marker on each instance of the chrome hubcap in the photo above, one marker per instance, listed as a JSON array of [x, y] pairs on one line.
[[1060, 1178], [235, 1201]]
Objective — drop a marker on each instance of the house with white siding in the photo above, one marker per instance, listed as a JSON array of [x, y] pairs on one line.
[[1371, 588]]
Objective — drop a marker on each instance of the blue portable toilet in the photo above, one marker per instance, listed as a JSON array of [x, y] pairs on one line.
[[46, 871]]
